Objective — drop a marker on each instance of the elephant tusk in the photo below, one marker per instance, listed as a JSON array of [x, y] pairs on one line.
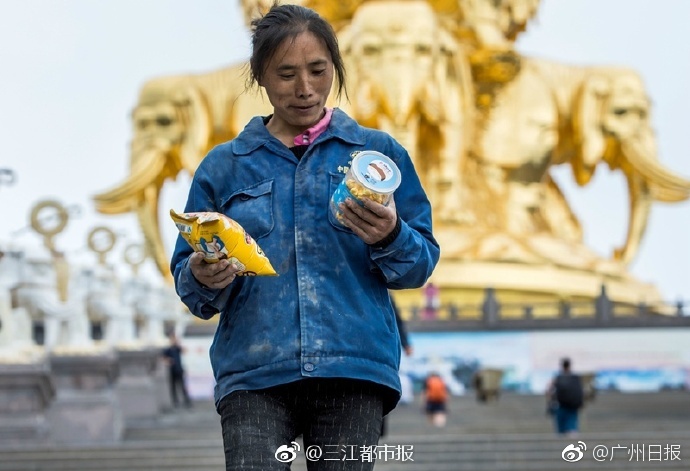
[[647, 180], [667, 196], [126, 196], [664, 184], [115, 207]]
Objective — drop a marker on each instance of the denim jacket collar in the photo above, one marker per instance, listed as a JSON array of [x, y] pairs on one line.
[[256, 135]]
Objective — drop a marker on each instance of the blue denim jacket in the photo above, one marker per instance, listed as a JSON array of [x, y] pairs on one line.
[[328, 313]]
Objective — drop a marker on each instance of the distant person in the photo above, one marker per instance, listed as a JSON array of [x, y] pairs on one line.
[[566, 394], [173, 356], [402, 331], [478, 385], [432, 301], [436, 400]]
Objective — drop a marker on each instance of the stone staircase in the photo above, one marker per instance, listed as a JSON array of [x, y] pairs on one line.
[[512, 433]]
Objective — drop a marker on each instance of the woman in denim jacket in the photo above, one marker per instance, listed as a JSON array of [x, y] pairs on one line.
[[314, 351]]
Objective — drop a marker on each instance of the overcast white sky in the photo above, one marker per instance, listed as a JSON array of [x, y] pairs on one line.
[[71, 71]]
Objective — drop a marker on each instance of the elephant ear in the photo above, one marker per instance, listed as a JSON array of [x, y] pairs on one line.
[[362, 98], [589, 140], [345, 45], [193, 107]]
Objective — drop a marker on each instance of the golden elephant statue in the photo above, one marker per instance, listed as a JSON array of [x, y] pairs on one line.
[[578, 116], [176, 121], [531, 115], [406, 78], [483, 124]]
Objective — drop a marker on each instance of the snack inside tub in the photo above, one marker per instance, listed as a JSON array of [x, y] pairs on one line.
[[218, 236], [371, 175]]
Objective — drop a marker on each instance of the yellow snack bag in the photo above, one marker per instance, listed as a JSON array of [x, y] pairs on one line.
[[219, 237]]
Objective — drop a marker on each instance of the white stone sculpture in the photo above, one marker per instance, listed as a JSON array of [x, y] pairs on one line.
[[16, 332], [64, 315], [158, 310], [106, 304]]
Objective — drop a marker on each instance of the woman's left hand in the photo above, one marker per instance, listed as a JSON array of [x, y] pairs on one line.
[[371, 222]]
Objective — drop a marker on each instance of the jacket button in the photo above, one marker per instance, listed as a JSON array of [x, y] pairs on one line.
[[309, 367]]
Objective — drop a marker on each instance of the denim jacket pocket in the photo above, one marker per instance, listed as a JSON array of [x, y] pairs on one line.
[[252, 208], [335, 179]]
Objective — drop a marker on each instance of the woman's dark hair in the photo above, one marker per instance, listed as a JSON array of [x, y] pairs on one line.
[[283, 22]]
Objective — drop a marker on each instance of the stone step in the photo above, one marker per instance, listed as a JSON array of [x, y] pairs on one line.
[[511, 434], [512, 413], [428, 451]]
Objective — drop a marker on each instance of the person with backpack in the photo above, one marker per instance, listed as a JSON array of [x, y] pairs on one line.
[[436, 399], [567, 395]]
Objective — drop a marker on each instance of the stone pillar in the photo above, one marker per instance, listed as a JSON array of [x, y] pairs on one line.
[[136, 387], [603, 309], [491, 309], [26, 392], [161, 378], [86, 409]]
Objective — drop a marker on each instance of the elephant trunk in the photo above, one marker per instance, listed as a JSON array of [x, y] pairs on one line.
[[399, 99], [407, 136]]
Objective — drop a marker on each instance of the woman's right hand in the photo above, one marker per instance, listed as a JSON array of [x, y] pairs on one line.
[[212, 275]]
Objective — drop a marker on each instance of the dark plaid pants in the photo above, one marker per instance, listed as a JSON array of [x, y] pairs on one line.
[[339, 419]]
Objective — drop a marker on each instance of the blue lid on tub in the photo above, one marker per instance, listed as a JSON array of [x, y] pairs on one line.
[[376, 171]]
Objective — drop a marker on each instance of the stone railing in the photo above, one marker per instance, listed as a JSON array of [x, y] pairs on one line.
[[491, 314]]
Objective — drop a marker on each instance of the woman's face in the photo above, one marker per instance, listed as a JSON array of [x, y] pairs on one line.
[[297, 81]]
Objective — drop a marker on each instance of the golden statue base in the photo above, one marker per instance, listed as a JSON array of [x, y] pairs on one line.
[[517, 286], [540, 271], [525, 283]]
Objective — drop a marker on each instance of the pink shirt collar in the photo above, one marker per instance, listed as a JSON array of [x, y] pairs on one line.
[[310, 135]]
